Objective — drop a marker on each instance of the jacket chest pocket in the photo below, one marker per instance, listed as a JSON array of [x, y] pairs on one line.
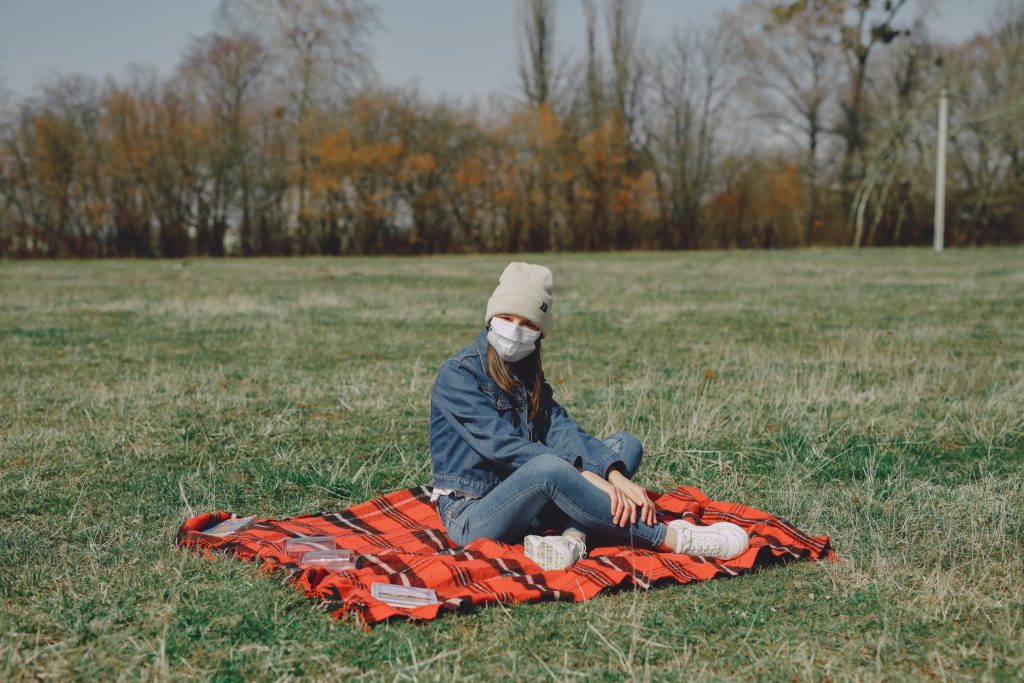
[[503, 405]]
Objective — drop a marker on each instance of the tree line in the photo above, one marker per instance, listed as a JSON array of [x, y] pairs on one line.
[[784, 124]]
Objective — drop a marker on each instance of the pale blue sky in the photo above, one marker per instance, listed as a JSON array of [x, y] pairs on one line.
[[462, 48]]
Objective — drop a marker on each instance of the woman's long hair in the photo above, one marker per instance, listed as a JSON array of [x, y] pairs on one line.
[[528, 370]]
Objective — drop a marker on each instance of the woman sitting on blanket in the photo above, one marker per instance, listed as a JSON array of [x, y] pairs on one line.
[[506, 457]]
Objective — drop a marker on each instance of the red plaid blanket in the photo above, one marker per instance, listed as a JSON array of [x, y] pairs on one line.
[[399, 538]]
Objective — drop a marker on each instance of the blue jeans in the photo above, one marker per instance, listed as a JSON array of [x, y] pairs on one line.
[[551, 488]]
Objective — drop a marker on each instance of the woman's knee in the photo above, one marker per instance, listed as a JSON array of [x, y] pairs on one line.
[[628, 448]]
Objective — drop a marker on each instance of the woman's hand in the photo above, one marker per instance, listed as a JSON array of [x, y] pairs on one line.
[[636, 495], [623, 509]]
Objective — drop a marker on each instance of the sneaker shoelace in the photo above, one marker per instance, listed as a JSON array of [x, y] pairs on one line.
[[577, 543]]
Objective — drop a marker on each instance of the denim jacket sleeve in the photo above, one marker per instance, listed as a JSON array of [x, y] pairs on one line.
[[473, 416], [565, 435]]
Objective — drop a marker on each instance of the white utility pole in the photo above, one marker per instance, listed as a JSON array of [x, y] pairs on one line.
[[940, 175]]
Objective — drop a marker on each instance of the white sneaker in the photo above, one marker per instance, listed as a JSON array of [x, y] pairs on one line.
[[721, 540], [554, 552]]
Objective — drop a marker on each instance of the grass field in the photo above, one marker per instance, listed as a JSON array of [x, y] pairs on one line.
[[873, 396]]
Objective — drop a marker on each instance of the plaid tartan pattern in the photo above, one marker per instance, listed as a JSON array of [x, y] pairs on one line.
[[399, 538]]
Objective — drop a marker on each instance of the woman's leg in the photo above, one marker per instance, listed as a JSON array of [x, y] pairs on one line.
[[506, 511], [630, 450]]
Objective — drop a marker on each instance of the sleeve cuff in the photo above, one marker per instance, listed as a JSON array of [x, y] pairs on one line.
[[600, 463], [617, 461], [574, 460]]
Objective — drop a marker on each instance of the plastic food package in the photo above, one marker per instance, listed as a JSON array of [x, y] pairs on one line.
[[297, 547], [230, 526], [403, 596], [334, 560]]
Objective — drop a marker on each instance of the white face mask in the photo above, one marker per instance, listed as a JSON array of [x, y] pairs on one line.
[[511, 341]]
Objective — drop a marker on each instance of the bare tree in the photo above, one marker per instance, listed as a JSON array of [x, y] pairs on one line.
[[622, 18], [901, 142], [870, 27], [604, 133], [230, 67], [535, 43], [986, 132], [320, 53], [790, 69], [694, 79], [537, 75], [62, 153], [594, 84]]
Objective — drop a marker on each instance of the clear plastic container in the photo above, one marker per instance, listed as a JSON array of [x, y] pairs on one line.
[[334, 560], [403, 596], [230, 526], [297, 547]]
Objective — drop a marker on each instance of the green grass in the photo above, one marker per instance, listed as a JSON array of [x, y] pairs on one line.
[[873, 396]]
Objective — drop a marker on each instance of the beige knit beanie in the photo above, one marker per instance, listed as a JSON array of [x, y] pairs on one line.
[[524, 289]]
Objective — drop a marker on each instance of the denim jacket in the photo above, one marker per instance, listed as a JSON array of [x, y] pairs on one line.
[[477, 439]]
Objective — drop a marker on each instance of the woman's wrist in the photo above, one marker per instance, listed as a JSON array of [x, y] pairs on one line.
[[593, 478]]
